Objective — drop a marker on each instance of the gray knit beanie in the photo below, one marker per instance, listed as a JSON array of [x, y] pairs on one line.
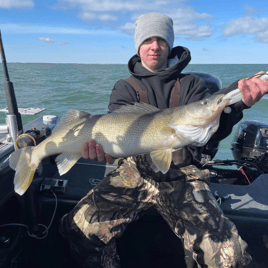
[[153, 24]]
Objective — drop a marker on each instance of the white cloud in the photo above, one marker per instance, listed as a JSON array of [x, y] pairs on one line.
[[16, 4], [186, 22], [37, 29], [108, 10], [250, 10], [195, 32], [193, 25], [122, 14], [262, 37], [63, 43], [45, 39], [248, 25], [129, 28], [111, 5], [88, 16]]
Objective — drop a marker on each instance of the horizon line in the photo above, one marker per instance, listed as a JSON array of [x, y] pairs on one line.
[[123, 63]]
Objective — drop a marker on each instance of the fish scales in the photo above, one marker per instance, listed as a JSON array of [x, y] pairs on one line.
[[130, 133], [130, 130]]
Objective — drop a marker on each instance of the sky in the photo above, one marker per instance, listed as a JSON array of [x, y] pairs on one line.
[[102, 31]]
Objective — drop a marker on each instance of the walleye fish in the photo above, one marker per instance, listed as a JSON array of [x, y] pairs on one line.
[[130, 130]]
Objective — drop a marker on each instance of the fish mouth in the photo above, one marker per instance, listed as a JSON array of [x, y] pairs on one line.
[[220, 103]]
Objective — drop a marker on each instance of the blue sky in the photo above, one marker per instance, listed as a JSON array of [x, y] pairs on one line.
[[102, 31]]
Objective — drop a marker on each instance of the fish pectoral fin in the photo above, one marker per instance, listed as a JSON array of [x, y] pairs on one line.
[[162, 159], [66, 161], [198, 135]]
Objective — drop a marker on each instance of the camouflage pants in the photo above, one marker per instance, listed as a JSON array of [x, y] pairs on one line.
[[186, 204]]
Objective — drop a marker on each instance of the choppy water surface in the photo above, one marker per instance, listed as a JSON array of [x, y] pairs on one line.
[[87, 87]]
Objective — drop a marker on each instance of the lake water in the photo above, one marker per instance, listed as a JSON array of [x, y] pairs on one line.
[[87, 87]]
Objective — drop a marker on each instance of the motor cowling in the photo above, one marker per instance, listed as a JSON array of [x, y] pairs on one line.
[[251, 143]]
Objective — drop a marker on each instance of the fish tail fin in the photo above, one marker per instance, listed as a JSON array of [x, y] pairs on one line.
[[25, 164]]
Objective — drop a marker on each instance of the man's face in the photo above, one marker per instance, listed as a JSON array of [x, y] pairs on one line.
[[154, 53]]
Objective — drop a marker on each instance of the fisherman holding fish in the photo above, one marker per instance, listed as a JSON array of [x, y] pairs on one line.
[[168, 180], [182, 195]]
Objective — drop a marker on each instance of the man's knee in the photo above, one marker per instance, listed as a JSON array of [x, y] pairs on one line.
[[222, 251]]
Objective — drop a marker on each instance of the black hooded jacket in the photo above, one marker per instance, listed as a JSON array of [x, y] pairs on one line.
[[158, 87]]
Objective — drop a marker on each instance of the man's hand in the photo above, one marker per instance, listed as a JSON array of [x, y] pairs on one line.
[[253, 89], [93, 151]]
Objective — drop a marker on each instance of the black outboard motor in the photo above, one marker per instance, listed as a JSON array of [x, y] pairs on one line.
[[251, 143]]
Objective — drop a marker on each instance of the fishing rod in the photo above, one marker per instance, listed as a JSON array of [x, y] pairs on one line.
[[14, 121]]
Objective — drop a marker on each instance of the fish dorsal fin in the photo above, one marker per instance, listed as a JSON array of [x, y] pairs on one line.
[[162, 159], [198, 135], [72, 116], [137, 107]]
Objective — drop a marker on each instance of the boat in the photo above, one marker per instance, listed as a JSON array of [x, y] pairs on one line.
[[29, 235]]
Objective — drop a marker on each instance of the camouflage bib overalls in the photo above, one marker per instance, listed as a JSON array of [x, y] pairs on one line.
[[182, 197]]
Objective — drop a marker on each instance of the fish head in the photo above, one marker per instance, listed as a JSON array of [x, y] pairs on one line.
[[198, 121], [207, 110]]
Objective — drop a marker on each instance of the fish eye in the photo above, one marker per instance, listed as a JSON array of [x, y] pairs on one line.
[[204, 102]]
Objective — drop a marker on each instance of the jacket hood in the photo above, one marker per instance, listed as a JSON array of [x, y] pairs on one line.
[[181, 53]]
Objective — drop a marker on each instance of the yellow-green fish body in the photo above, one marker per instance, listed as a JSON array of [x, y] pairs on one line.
[[130, 130]]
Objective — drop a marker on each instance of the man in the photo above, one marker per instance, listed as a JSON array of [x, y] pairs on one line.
[[124, 194]]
